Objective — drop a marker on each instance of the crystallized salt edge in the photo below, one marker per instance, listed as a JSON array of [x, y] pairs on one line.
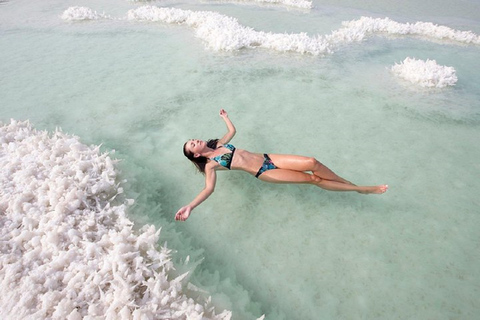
[[82, 13], [426, 74], [67, 252], [300, 4], [221, 32]]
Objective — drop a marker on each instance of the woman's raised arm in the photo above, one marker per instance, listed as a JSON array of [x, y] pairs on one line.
[[231, 128], [210, 180]]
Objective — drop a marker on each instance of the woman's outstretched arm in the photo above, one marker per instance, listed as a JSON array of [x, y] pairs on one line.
[[210, 180], [231, 128]]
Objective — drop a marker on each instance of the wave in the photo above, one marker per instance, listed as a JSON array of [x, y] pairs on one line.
[[425, 73], [222, 32], [68, 251]]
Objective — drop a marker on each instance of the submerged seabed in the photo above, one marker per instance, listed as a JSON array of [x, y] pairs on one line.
[[141, 79]]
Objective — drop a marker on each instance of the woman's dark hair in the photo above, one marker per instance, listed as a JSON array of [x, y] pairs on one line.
[[200, 161]]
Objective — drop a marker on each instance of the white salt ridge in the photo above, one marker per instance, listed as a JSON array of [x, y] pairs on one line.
[[225, 33], [221, 32], [291, 3], [428, 30], [425, 73], [67, 252], [301, 4], [82, 13]]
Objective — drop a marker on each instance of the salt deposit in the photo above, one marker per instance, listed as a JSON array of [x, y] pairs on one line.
[[68, 251], [427, 30], [301, 4], [221, 32], [225, 33], [82, 13], [425, 73]]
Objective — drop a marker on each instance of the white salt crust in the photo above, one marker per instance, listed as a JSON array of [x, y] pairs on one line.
[[225, 33], [300, 4], [82, 13], [67, 252], [425, 73], [221, 32]]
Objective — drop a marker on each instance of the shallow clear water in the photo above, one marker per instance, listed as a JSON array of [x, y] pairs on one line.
[[290, 252]]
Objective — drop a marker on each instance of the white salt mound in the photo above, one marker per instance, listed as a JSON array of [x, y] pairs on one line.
[[82, 13], [67, 251], [425, 73]]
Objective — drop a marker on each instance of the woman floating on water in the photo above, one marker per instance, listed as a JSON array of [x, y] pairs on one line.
[[212, 155]]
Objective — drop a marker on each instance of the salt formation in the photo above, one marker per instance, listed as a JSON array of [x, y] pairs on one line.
[[221, 32], [366, 25], [425, 73], [225, 33], [301, 4], [82, 13], [67, 250]]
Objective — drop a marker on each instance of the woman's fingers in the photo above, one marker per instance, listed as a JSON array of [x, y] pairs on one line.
[[178, 215], [182, 214]]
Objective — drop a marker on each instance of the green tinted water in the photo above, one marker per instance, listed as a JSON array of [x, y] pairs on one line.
[[291, 252]]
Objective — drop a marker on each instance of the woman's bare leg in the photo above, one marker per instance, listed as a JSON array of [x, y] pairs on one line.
[[301, 163], [291, 176], [338, 186]]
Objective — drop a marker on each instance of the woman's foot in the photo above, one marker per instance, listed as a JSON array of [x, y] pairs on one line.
[[375, 189]]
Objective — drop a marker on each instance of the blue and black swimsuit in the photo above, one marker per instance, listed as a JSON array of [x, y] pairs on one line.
[[266, 165], [225, 160]]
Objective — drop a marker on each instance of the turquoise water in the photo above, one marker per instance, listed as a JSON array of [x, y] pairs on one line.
[[289, 252]]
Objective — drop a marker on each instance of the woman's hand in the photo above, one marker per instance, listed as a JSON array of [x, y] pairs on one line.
[[183, 213], [223, 113], [231, 128]]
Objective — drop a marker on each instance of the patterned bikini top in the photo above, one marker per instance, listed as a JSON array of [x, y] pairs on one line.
[[225, 160]]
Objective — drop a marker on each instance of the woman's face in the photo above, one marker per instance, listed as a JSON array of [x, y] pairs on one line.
[[195, 146]]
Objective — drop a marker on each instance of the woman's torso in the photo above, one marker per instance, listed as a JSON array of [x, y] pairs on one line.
[[241, 160]]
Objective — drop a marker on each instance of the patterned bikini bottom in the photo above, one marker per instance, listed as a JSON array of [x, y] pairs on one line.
[[267, 165]]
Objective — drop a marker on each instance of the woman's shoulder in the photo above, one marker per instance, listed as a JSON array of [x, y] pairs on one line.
[[212, 165]]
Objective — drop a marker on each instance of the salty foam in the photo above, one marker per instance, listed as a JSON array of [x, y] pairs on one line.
[[221, 32], [425, 73], [67, 250]]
